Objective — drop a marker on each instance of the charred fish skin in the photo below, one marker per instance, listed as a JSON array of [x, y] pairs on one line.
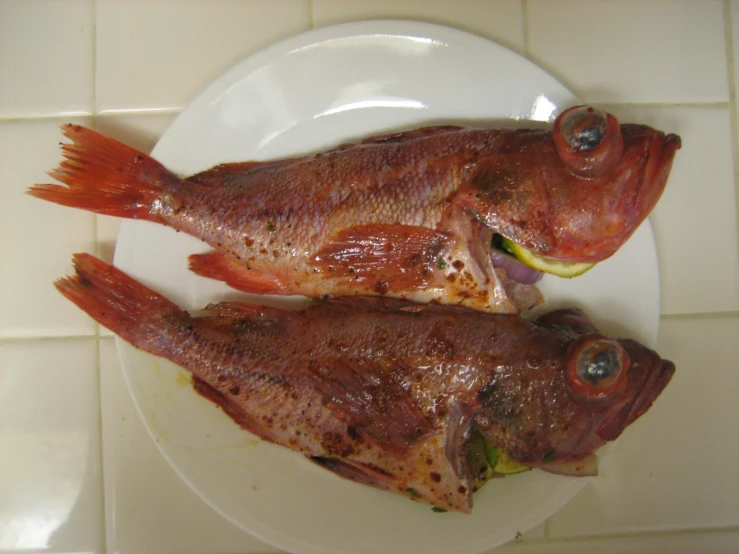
[[385, 392], [409, 215]]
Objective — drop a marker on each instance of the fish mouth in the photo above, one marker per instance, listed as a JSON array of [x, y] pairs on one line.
[[654, 374], [660, 374], [661, 155]]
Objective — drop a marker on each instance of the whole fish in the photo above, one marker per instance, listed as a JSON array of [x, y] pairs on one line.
[[410, 215], [388, 393]]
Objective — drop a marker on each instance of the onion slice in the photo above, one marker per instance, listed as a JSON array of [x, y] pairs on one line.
[[584, 467], [516, 270]]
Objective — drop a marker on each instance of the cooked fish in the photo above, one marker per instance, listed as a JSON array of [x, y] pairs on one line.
[[388, 393]]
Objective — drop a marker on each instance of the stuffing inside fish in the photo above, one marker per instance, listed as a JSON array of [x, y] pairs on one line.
[[389, 393], [410, 215]]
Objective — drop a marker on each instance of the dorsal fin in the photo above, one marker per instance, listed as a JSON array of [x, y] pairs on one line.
[[411, 135], [224, 174], [403, 135]]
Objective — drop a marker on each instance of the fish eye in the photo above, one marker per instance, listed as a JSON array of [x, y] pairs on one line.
[[583, 128], [588, 141], [596, 368]]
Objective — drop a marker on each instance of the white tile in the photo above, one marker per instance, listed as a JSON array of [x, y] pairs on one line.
[[500, 20], [633, 50], [39, 238], [159, 54], [50, 463], [716, 542], [149, 510], [695, 220], [45, 57], [675, 467]]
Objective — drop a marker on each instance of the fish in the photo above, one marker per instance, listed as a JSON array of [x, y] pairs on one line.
[[410, 215], [385, 392]]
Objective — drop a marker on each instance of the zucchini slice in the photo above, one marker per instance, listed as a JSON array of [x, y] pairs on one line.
[[502, 463], [547, 265]]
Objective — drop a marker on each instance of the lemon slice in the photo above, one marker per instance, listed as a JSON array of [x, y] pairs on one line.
[[547, 265], [502, 463]]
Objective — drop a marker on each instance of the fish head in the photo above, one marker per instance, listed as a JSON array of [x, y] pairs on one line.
[[611, 382], [609, 180], [577, 193], [580, 390]]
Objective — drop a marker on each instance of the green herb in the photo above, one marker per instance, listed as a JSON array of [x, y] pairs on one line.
[[413, 492], [518, 535], [549, 456], [441, 263], [492, 454], [270, 228], [438, 510]]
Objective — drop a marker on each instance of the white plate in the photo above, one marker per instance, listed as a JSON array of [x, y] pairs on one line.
[[308, 93]]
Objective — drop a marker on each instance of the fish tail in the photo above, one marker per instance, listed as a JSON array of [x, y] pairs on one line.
[[119, 302], [105, 176]]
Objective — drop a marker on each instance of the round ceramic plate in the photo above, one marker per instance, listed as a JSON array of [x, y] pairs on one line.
[[305, 94]]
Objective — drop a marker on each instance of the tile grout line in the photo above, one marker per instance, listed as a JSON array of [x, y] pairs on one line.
[[140, 111], [170, 111], [98, 364], [101, 479], [11, 340], [734, 124], [644, 534], [525, 26], [666, 105], [93, 123], [94, 58], [700, 315], [45, 117], [111, 113]]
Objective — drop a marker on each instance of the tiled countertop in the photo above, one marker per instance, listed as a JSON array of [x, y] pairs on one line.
[[78, 473]]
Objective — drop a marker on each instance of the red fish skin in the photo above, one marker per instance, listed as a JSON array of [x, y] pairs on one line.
[[512, 181], [409, 215], [382, 391], [361, 206]]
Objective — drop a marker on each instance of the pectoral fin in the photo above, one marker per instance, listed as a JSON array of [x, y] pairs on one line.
[[385, 257], [371, 403]]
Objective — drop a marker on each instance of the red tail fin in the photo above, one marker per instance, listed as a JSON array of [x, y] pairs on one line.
[[119, 302], [105, 176]]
